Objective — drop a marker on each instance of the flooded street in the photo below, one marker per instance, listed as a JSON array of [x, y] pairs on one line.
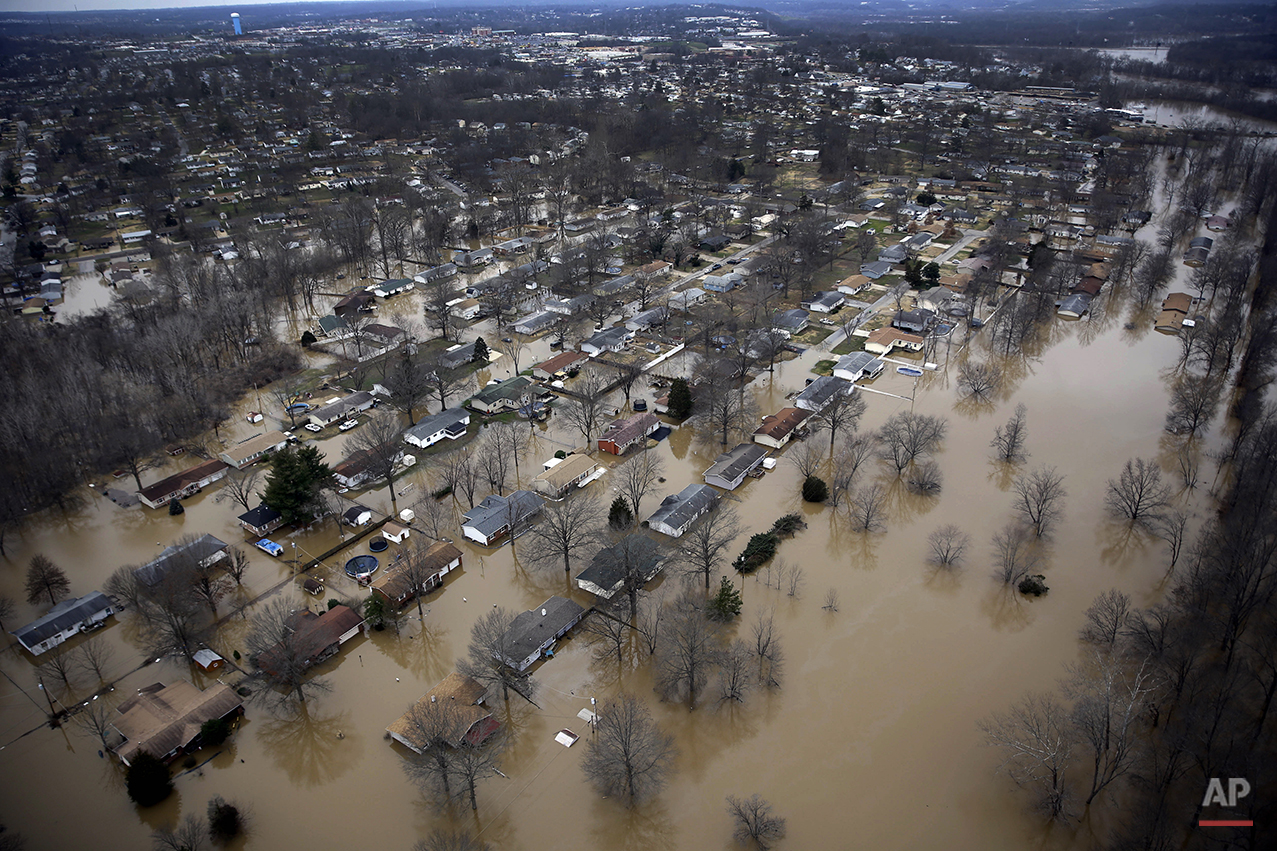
[[873, 731]]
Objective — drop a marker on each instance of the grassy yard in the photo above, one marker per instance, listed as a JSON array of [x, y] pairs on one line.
[[813, 335], [825, 367], [849, 345]]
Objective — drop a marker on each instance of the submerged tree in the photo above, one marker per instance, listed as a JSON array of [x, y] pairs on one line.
[[1008, 440], [1138, 492], [46, 579], [1037, 739], [628, 756], [754, 822]]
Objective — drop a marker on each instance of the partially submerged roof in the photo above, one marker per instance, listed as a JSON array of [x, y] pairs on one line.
[[160, 719], [63, 616]]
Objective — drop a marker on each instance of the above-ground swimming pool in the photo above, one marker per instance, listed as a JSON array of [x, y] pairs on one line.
[[361, 567]]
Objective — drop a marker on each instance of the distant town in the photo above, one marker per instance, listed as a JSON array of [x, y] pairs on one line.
[[526, 422]]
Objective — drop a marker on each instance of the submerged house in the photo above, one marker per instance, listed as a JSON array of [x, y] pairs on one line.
[[678, 511], [165, 721], [534, 632], [557, 480], [464, 697], [730, 468], [490, 521], [397, 587], [315, 639], [183, 484], [450, 424], [634, 555], [622, 435], [64, 621]]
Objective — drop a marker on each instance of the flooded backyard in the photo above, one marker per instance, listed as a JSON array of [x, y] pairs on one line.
[[873, 733]]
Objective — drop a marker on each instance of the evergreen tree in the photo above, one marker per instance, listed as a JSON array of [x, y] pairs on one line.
[[480, 355], [175, 507], [727, 603], [147, 780], [295, 481], [620, 516], [680, 404], [815, 489]]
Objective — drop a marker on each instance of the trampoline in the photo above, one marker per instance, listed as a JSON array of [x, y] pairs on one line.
[[361, 567], [379, 545]]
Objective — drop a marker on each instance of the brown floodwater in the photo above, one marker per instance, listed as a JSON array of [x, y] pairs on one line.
[[872, 736]]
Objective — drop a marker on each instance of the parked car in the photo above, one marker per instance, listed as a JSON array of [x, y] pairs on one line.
[[268, 546], [313, 427], [348, 425]]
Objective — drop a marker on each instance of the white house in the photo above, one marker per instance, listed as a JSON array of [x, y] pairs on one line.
[[65, 620], [428, 431]]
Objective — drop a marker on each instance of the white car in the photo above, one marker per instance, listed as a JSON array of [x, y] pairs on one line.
[[348, 425], [313, 427]]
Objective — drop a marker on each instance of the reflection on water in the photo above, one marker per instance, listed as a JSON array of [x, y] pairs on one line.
[[311, 746]]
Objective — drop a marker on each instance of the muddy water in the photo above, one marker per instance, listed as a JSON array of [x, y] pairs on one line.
[[873, 733]]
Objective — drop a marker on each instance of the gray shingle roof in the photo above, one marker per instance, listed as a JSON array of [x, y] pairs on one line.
[[679, 509], [734, 463], [63, 616], [493, 514]]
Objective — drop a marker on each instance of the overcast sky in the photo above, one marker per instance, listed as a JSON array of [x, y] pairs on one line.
[[86, 5]]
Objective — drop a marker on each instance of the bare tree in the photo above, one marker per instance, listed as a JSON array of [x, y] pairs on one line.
[[585, 409], [378, 447], [60, 667], [566, 529], [856, 449], [1014, 553], [925, 478], [435, 727], [7, 610], [637, 476], [687, 653], [1008, 440], [240, 486], [1106, 618], [435, 517], [1109, 713], [722, 410], [236, 564], [1039, 498], [209, 585], [411, 382], [45, 579], [1170, 525], [489, 656], [460, 472], [831, 600], [767, 651], [735, 673], [948, 545], [1138, 492], [189, 834], [755, 824], [1037, 739], [95, 718], [868, 508], [842, 414], [94, 655], [628, 756], [1194, 400], [278, 649], [808, 458], [979, 381], [908, 435], [703, 549], [437, 298], [475, 762], [446, 840]]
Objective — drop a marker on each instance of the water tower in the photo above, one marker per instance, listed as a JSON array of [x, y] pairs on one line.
[[235, 23]]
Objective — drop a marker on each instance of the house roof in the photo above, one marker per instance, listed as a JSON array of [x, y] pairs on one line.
[[567, 470], [394, 583], [820, 391], [63, 616], [679, 509], [315, 634], [510, 389], [159, 719], [782, 422], [343, 406], [493, 513], [438, 422], [192, 552], [532, 629], [181, 480], [888, 336], [608, 337], [858, 362], [734, 463], [560, 361], [464, 695], [608, 568], [828, 298], [622, 432], [1182, 302], [255, 446], [790, 319], [262, 515]]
